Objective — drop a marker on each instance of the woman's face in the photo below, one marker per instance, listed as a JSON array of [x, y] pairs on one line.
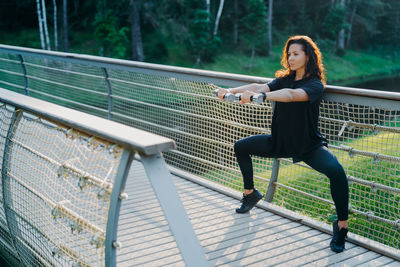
[[297, 58]]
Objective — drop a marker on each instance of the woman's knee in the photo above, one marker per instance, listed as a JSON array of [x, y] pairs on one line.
[[253, 145], [325, 162], [238, 147], [334, 170]]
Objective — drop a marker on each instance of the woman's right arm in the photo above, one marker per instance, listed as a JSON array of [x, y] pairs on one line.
[[253, 87]]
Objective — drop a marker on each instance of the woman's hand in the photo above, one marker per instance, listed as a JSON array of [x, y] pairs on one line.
[[245, 97], [222, 92]]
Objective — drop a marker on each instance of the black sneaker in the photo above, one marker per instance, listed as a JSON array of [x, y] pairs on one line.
[[249, 201], [338, 238]]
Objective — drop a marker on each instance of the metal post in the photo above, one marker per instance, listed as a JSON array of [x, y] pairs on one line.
[[110, 103], [25, 74], [10, 217], [274, 177], [115, 205], [174, 211]]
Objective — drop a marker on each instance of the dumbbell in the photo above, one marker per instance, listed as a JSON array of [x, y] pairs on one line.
[[229, 97], [256, 99]]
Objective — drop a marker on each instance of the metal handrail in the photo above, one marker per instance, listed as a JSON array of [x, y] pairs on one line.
[[119, 139], [132, 138], [208, 75]]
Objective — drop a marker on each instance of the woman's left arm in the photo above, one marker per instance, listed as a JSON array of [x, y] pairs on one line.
[[282, 95]]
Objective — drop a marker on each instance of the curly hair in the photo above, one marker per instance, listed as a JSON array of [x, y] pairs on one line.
[[314, 67]]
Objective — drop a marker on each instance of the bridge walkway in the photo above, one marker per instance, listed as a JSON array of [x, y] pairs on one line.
[[260, 238]]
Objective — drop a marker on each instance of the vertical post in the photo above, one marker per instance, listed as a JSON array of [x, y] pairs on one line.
[[25, 75], [10, 217], [174, 211], [274, 177], [110, 103], [115, 205]]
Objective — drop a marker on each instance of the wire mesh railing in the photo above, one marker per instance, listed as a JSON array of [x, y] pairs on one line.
[[362, 126], [63, 174], [56, 186]]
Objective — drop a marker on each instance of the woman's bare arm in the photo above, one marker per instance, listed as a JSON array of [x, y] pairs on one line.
[[254, 88], [282, 95]]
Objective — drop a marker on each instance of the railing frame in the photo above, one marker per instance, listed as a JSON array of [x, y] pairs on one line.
[[148, 145], [16, 117], [21, 59], [269, 196], [109, 94], [228, 79], [111, 242]]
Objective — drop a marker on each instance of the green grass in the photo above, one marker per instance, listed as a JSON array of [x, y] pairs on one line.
[[358, 66], [353, 66], [340, 70], [80, 42], [382, 203], [28, 38]]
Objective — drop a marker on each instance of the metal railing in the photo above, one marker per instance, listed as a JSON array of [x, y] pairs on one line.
[[362, 127], [63, 176]]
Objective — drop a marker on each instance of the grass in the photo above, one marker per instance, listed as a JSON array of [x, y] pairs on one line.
[[363, 198], [358, 66], [340, 70]]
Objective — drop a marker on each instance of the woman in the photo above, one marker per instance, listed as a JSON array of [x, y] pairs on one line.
[[297, 91]]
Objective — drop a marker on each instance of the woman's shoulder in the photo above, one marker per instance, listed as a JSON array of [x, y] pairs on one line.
[[315, 81], [284, 79], [279, 83]]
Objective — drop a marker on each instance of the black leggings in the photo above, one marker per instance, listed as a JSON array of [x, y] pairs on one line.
[[321, 159]]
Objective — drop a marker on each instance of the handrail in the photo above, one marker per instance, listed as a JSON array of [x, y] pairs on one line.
[[135, 139], [240, 78], [123, 142]]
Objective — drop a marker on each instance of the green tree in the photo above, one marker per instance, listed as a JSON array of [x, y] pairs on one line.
[[255, 23], [199, 34], [334, 22], [110, 35], [270, 16], [202, 43], [388, 39], [136, 32], [366, 28]]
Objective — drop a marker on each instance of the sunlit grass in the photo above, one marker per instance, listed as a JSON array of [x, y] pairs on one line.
[[352, 66], [362, 198]]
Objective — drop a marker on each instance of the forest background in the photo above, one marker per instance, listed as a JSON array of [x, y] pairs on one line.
[[360, 39]]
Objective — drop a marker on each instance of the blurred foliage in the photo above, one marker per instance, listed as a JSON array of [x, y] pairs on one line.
[[178, 31], [112, 38]]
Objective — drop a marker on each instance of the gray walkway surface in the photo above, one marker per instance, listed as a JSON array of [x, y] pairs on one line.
[[259, 238]]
